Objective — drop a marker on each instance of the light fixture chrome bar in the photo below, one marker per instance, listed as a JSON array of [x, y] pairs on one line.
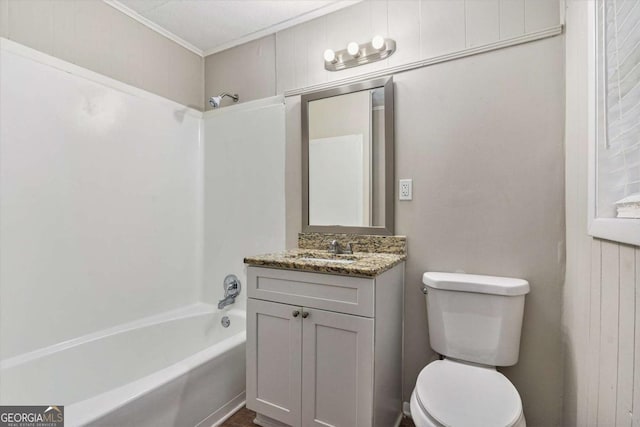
[[366, 54]]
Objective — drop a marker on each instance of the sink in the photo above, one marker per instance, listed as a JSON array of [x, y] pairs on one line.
[[324, 257], [330, 260]]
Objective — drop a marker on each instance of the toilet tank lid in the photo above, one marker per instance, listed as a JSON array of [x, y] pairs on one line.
[[476, 283]]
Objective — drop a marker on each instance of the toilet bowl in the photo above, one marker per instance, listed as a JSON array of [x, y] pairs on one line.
[[457, 394], [475, 324]]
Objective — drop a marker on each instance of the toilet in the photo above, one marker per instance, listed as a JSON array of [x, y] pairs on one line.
[[475, 324]]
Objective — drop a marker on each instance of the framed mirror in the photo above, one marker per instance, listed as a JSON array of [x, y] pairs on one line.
[[347, 159]]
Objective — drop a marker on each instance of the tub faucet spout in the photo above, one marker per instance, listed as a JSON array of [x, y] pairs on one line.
[[228, 300]]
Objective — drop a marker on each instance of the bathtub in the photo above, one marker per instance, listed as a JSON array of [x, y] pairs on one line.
[[179, 368]]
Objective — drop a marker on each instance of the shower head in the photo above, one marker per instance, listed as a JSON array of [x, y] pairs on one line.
[[214, 101]]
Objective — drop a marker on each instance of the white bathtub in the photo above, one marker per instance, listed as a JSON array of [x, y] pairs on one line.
[[179, 368]]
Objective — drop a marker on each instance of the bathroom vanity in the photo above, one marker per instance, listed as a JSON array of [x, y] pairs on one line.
[[324, 338], [325, 328]]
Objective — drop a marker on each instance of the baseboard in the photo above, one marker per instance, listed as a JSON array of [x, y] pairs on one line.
[[264, 421], [406, 409], [223, 414], [398, 421]]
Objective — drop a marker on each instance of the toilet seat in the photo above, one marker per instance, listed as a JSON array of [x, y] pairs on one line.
[[458, 394]]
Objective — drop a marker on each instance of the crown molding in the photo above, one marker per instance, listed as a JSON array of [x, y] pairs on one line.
[[316, 13]]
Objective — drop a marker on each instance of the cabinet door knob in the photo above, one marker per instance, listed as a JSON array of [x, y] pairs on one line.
[[296, 313], [305, 314]]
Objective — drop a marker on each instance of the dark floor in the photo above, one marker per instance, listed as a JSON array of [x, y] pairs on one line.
[[244, 418]]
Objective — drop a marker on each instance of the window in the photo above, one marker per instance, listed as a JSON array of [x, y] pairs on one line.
[[615, 210]]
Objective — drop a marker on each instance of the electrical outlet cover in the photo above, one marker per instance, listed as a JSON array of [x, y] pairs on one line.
[[405, 189]]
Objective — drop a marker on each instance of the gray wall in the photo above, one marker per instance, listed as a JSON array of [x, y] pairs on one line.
[[482, 139], [93, 35], [249, 70], [601, 305]]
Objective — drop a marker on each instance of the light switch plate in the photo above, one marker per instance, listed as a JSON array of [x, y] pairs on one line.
[[405, 190]]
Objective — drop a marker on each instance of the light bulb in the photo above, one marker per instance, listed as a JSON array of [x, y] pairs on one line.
[[377, 42], [329, 55], [353, 48]]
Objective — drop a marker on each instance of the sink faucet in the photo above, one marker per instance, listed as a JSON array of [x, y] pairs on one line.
[[232, 288], [335, 248]]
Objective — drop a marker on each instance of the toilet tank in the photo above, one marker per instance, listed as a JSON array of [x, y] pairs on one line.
[[475, 318]]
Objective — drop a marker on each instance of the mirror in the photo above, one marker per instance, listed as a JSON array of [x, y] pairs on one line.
[[347, 159]]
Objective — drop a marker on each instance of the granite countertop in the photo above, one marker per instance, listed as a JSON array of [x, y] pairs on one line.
[[363, 264]]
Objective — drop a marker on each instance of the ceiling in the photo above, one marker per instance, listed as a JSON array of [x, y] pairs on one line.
[[209, 26]]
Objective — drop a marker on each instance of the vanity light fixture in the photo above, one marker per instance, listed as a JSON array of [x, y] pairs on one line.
[[359, 54]]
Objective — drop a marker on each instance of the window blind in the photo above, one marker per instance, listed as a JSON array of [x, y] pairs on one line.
[[619, 56]]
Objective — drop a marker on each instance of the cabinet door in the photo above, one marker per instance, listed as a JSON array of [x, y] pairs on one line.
[[274, 333], [337, 370]]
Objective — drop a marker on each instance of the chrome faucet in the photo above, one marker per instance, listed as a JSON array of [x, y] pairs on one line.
[[228, 300], [232, 289], [335, 248]]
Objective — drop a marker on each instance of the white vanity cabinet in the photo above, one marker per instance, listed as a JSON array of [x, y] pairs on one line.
[[324, 349]]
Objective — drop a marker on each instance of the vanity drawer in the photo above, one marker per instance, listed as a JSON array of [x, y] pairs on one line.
[[343, 294]]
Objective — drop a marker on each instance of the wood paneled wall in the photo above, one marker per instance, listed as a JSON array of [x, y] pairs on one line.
[[601, 306], [423, 29], [614, 335]]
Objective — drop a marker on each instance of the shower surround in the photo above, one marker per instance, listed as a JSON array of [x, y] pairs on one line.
[[109, 213]]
